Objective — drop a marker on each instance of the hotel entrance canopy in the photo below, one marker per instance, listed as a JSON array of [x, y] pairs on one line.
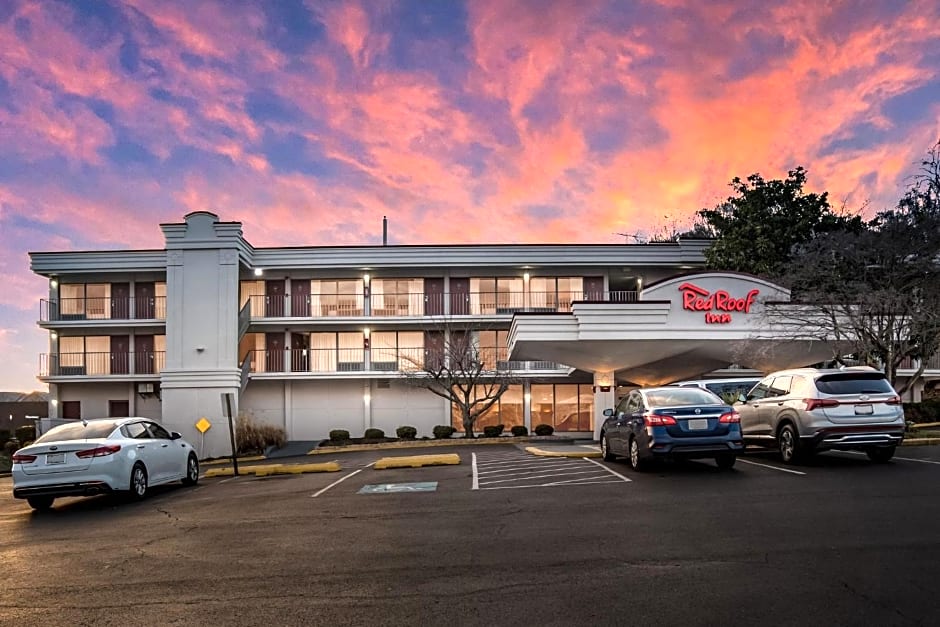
[[678, 328]]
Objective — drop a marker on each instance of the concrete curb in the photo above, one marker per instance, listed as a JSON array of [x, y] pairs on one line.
[[330, 450], [543, 453], [921, 442], [416, 461], [228, 460], [263, 470]]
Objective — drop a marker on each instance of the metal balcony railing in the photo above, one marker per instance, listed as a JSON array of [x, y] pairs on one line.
[[99, 364], [932, 363], [130, 308], [416, 304], [374, 360]]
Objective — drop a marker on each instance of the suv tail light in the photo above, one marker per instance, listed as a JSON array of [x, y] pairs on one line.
[[731, 416], [816, 403], [100, 451], [656, 420], [894, 400], [23, 459]]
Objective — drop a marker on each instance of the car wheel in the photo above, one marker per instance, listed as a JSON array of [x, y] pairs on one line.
[[192, 471], [788, 443], [605, 449], [636, 462], [726, 462], [138, 485], [40, 503], [880, 454]]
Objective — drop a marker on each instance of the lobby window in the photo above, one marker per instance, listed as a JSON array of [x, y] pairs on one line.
[[507, 411], [565, 406]]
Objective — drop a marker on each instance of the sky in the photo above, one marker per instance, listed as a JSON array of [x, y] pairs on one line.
[[487, 121]]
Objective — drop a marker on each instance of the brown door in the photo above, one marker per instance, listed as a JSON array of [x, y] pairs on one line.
[[120, 301], [299, 349], [460, 297], [434, 297], [274, 352], [144, 301], [143, 354], [72, 410], [120, 357], [593, 288], [119, 409], [300, 298], [433, 350], [274, 299]]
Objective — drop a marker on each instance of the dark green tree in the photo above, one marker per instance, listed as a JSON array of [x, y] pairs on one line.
[[878, 288], [758, 227]]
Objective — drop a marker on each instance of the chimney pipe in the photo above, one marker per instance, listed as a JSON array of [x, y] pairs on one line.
[[384, 231]]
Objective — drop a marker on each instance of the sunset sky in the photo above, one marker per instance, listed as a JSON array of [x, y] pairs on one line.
[[489, 121]]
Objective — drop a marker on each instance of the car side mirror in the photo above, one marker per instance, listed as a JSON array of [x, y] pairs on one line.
[[175, 435], [608, 412]]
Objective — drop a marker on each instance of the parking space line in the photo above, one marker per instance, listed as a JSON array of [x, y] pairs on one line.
[[476, 474], [338, 481], [529, 467], [795, 472], [583, 482], [554, 474], [906, 459], [616, 474], [547, 485]]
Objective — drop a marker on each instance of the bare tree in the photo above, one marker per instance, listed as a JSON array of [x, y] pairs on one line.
[[456, 368]]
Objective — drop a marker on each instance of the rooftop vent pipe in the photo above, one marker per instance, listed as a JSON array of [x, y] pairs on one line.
[[384, 231]]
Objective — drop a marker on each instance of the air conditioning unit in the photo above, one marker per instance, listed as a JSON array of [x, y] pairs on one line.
[[145, 388]]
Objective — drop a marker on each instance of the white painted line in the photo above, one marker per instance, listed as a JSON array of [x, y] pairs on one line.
[[528, 468], [476, 477], [616, 474], [906, 459], [603, 479], [516, 460], [338, 481], [555, 474], [550, 485], [795, 472], [593, 447]]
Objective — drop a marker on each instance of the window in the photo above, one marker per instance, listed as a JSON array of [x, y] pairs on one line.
[[392, 350], [158, 432], [337, 352], [336, 297], [492, 348], [761, 390], [854, 383], [496, 295], [507, 411], [554, 293], [567, 406], [780, 386], [397, 297], [136, 430]]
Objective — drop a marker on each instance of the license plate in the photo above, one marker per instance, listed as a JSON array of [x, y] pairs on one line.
[[55, 458], [864, 410], [698, 424]]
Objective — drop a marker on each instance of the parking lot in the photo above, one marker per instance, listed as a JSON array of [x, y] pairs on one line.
[[504, 537]]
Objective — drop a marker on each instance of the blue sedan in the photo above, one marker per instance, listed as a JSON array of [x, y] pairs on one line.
[[672, 421]]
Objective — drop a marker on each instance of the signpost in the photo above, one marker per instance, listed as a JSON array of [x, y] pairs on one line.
[[227, 398], [203, 425]]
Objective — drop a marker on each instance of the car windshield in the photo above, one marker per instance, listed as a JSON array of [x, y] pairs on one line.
[[681, 396], [78, 431], [854, 383]]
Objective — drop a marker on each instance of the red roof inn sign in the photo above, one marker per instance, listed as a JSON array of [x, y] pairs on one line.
[[718, 305]]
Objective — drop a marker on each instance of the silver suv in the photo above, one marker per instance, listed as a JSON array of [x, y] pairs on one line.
[[806, 410]]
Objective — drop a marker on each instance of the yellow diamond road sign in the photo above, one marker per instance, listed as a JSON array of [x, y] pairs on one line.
[[203, 425]]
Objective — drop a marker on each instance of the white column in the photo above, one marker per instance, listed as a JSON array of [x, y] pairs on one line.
[[605, 396]]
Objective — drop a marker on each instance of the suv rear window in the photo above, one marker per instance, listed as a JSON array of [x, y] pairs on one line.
[[854, 383]]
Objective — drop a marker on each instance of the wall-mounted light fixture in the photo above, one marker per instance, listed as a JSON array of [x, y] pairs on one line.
[[366, 397], [365, 278], [53, 334], [259, 271], [53, 284], [525, 276], [55, 402], [365, 337]]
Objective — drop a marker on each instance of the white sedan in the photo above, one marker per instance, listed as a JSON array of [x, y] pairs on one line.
[[101, 456]]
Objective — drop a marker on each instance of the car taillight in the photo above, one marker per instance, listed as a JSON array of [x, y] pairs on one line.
[[655, 420], [731, 416], [99, 451], [816, 403], [23, 459], [894, 400]]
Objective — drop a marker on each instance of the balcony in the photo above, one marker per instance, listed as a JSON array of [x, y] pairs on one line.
[[374, 361], [416, 305], [130, 308], [101, 364], [932, 364]]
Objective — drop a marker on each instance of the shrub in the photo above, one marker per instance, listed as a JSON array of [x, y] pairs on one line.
[[544, 429], [374, 434], [925, 411], [492, 431], [339, 435], [519, 430], [442, 432], [26, 433], [254, 438], [406, 433]]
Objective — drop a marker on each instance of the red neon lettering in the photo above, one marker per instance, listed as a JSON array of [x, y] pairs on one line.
[[695, 298]]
